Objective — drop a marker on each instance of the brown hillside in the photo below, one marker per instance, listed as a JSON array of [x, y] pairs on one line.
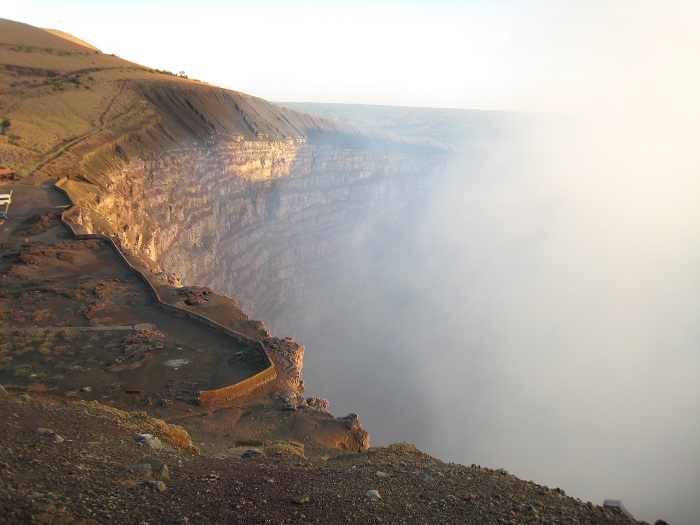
[[71, 38], [19, 34], [65, 100]]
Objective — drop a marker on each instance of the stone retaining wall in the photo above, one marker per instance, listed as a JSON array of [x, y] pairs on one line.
[[206, 397], [243, 388]]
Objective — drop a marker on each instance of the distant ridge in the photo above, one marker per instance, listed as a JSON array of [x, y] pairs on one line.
[[456, 127], [21, 34], [71, 38]]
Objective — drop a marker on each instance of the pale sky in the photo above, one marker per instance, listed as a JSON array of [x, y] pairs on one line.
[[536, 55]]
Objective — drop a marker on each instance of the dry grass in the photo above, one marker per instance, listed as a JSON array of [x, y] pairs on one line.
[[290, 448], [59, 94], [142, 422]]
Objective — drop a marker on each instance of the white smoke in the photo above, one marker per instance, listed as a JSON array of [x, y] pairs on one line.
[[572, 271], [540, 314]]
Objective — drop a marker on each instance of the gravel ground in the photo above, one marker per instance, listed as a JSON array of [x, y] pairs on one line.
[[68, 463]]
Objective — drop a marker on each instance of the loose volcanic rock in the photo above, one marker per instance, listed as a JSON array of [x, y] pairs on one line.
[[88, 481], [150, 467], [148, 439], [373, 494]]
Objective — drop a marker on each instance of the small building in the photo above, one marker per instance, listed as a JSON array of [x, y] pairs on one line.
[[7, 174]]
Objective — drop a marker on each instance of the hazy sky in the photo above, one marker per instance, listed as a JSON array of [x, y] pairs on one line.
[[539, 55]]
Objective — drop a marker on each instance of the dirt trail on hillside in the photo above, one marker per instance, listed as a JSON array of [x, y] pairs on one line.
[[51, 281]]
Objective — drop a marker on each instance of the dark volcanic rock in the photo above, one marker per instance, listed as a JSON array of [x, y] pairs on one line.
[[150, 467]]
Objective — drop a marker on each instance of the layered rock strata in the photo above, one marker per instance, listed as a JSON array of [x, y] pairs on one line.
[[249, 218]]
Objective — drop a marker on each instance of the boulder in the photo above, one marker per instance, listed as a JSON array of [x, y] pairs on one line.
[[148, 439], [50, 433], [151, 468], [373, 494], [155, 486], [252, 453], [358, 438], [318, 403]]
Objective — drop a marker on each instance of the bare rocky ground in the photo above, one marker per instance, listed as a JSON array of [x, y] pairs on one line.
[[70, 464]]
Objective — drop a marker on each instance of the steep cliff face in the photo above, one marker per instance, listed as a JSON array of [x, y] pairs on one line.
[[251, 218]]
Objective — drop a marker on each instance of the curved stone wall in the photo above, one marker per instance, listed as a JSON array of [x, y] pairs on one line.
[[206, 397]]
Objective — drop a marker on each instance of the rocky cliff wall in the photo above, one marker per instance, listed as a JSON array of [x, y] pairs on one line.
[[249, 218]]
